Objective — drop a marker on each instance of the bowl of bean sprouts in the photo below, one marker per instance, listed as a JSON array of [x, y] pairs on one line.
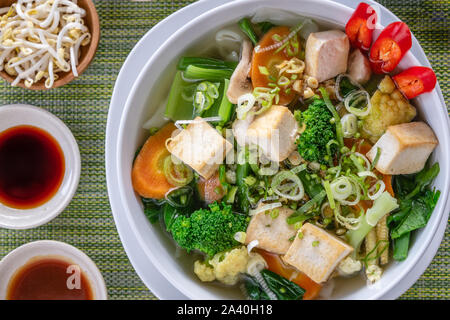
[[46, 44]]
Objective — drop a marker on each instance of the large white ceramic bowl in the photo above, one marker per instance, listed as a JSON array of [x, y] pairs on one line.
[[144, 102]]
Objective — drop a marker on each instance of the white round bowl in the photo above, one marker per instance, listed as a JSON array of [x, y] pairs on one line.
[[20, 114], [48, 248], [144, 102]]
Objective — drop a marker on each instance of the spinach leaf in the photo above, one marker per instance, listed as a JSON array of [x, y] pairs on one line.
[[282, 287], [401, 247], [152, 209], [403, 210], [265, 26], [253, 289], [421, 209], [423, 179]]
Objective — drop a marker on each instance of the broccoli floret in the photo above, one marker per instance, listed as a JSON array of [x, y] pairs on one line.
[[318, 132], [209, 230]]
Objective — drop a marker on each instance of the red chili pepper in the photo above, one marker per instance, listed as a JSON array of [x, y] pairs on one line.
[[390, 47], [415, 81], [360, 26]]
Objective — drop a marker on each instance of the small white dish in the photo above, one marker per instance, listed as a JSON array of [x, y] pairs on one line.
[[41, 249], [20, 114]]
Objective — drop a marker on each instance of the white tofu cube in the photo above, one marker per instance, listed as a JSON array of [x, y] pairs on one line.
[[404, 148], [326, 54], [359, 67], [273, 234], [201, 147], [274, 132], [316, 253]]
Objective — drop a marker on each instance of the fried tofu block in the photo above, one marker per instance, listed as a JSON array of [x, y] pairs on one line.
[[404, 148], [316, 252], [201, 147], [326, 54], [272, 234], [274, 132]]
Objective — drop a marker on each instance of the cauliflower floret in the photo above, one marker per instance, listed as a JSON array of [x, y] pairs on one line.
[[373, 273], [224, 267], [204, 272], [349, 266], [389, 107]]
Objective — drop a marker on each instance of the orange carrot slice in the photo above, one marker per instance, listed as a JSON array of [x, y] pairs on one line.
[[147, 174], [269, 59], [275, 264]]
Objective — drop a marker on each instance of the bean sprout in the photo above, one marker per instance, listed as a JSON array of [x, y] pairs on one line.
[[40, 38]]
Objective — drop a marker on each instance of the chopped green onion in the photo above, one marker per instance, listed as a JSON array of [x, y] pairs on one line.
[[263, 70], [375, 160], [326, 185], [294, 192]]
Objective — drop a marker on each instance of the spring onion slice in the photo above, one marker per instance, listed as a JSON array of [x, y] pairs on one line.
[[336, 116], [296, 191], [177, 174], [245, 103], [337, 87], [355, 98], [330, 196], [265, 207], [349, 125], [179, 123], [347, 222]]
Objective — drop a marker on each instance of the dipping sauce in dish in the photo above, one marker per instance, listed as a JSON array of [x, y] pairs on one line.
[[32, 167], [49, 278]]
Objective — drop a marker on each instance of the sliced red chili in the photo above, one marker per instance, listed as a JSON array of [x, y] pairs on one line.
[[360, 26], [415, 81], [390, 47]]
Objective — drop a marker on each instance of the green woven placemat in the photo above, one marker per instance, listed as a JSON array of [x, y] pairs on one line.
[[87, 223]]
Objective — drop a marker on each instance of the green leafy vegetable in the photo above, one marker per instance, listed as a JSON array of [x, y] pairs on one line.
[[209, 63], [265, 26], [242, 171], [222, 107], [180, 103], [421, 209], [282, 287], [206, 73], [253, 290], [417, 203], [152, 209], [401, 247], [247, 28]]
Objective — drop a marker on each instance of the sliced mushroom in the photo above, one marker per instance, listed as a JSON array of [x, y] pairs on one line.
[[240, 83]]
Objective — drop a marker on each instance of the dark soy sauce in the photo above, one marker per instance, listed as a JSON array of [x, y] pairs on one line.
[[31, 167]]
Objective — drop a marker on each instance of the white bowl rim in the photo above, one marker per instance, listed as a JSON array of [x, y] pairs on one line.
[[28, 251], [45, 120], [412, 261]]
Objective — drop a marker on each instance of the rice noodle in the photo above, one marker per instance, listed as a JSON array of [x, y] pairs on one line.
[[40, 38]]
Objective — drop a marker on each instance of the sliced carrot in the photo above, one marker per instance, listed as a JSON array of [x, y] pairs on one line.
[[147, 174], [275, 264], [211, 190], [269, 59]]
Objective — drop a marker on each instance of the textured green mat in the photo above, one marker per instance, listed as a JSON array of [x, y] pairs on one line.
[[87, 222]]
